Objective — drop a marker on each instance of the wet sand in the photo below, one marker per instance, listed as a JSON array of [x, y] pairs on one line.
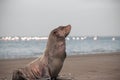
[[79, 67]]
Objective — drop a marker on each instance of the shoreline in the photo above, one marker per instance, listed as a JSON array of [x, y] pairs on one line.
[[76, 67], [81, 54]]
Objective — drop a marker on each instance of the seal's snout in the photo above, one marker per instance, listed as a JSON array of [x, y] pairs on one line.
[[67, 29]]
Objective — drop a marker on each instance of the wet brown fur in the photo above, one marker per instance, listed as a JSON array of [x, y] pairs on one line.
[[50, 63]]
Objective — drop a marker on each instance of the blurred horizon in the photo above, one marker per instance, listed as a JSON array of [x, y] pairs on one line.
[[29, 47], [28, 38]]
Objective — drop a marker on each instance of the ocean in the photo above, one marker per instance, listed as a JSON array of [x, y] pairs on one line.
[[27, 47]]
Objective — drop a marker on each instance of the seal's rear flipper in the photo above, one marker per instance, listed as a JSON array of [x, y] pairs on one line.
[[17, 75]]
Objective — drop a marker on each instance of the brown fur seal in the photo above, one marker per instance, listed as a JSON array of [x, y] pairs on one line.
[[50, 63]]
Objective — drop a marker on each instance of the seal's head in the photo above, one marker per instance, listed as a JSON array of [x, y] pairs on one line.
[[60, 33]]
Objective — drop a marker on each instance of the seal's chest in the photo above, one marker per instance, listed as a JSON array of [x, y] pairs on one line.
[[57, 63], [56, 66]]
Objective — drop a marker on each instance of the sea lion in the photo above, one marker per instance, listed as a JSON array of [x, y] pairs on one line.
[[48, 65]]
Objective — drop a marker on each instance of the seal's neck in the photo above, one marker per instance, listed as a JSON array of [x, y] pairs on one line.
[[55, 46]]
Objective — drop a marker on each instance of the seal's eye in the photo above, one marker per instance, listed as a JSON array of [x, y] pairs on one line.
[[55, 32]]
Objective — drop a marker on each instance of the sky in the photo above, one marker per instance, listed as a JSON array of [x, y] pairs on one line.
[[39, 17]]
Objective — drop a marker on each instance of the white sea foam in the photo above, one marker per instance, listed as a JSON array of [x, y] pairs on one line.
[[113, 38], [9, 38], [95, 38]]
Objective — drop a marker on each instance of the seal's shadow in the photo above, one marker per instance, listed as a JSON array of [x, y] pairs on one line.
[[65, 78]]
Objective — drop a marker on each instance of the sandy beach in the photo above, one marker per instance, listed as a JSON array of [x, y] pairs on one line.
[[79, 67]]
